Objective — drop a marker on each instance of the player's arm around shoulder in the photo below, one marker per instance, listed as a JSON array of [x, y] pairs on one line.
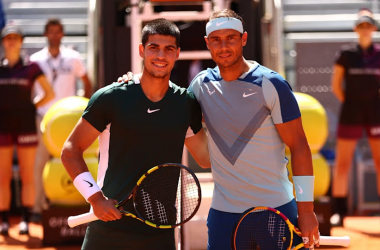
[[83, 135]]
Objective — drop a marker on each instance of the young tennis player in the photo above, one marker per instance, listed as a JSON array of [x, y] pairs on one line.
[[251, 114], [140, 124]]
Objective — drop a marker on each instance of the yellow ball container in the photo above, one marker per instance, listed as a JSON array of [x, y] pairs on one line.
[[314, 121], [321, 172], [60, 120], [59, 187]]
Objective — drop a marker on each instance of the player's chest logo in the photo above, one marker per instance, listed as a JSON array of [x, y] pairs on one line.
[[212, 86], [211, 92], [246, 94], [210, 89], [152, 110]]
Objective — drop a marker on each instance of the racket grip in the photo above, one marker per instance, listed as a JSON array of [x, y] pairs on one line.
[[74, 221], [343, 241]]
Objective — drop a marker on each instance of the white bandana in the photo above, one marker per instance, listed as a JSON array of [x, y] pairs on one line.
[[224, 23]]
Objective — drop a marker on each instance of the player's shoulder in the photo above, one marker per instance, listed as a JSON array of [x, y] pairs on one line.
[[177, 89], [271, 77], [258, 74], [112, 89], [205, 76], [181, 92]]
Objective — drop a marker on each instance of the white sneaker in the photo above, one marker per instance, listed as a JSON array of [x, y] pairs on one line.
[[23, 227], [4, 227]]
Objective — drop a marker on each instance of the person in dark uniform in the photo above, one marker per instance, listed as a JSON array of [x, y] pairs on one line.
[[17, 123], [358, 66], [140, 124]]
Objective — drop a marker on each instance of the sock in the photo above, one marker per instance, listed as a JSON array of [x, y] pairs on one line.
[[340, 206], [4, 216], [25, 214]]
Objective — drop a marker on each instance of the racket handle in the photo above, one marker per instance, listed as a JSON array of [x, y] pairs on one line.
[[74, 221], [343, 241]]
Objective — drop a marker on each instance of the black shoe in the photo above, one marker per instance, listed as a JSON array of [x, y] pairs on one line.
[[4, 227], [336, 220], [23, 227]]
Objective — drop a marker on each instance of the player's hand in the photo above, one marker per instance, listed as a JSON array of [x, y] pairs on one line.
[[126, 77], [308, 224], [104, 208]]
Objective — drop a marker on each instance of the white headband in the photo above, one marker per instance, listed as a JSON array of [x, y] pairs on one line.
[[224, 23]]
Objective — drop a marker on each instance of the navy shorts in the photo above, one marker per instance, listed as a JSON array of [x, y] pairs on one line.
[[221, 224]]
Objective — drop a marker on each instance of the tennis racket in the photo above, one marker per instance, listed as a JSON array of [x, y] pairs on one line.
[[266, 228], [166, 196]]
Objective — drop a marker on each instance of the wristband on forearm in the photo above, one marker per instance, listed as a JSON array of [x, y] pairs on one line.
[[304, 186], [86, 185]]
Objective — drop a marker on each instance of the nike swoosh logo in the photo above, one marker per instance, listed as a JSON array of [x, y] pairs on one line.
[[300, 189], [211, 92], [218, 24], [151, 111], [89, 183], [246, 95]]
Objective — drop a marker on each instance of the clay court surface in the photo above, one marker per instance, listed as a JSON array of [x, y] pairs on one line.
[[363, 231]]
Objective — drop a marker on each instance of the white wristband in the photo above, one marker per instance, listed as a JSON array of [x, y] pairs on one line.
[[86, 185], [304, 186]]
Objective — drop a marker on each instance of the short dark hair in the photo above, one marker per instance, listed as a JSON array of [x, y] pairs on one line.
[[225, 13], [160, 26], [53, 21]]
